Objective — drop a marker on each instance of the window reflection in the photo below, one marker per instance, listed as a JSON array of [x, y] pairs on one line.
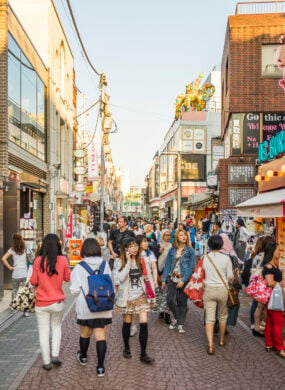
[[26, 110]]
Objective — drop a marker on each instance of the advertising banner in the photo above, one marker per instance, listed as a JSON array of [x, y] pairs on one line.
[[194, 139], [251, 133], [69, 226], [74, 251], [92, 162], [193, 167]]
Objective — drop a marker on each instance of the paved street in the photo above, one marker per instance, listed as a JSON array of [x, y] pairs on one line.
[[181, 361]]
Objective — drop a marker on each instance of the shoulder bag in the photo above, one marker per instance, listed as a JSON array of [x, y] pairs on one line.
[[233, 299]]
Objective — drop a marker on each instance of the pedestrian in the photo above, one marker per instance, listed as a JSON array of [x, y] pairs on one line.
[[20, 267], [192, 232], [178, 268], [50, 269], [275, 319], [136, 229], [241, 237], [170, 227], [133, 293], [215, 293], [90, 322], [161, 293], [159, 231]]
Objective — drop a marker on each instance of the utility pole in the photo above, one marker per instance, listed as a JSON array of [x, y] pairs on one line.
[[179, 194], [106, 125]]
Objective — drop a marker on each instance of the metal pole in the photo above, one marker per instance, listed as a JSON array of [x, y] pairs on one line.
[[179, 188], [102, 181]]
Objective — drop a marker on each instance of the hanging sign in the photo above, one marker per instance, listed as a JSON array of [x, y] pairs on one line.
[[268, 150]]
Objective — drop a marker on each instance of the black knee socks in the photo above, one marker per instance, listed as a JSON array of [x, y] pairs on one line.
[[143, 337], [101, 347], [126, 334], [84, 344]]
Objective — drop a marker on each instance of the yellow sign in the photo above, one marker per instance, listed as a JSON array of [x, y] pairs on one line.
[[83, 214]]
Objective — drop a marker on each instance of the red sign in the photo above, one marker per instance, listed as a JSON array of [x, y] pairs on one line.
[[69, 226]]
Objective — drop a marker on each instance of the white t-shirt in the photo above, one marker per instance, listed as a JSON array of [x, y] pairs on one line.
[[20, 264], [135, 287], [224, 265]]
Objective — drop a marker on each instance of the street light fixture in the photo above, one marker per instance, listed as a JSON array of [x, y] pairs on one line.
[[179, 192]]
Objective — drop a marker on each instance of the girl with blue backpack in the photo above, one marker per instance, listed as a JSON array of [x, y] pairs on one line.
[[135, 295], [91, 282]]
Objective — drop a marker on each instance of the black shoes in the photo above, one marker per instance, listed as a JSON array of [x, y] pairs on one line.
[[127, 354], [56, 362], [100, 371], [147, 359], [82, 360], [47, 367], [256, 333]]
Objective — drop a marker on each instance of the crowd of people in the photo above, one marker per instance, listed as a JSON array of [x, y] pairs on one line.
[[149, 266]]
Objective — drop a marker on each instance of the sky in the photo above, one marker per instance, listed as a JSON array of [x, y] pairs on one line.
[[149, 49]]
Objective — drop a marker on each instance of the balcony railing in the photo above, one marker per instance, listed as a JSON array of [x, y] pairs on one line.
[[260, 7]]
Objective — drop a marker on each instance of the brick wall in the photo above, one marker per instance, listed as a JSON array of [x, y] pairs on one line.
[[246, 90]]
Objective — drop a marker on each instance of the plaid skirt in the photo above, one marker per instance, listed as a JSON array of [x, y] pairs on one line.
[[136, 306]]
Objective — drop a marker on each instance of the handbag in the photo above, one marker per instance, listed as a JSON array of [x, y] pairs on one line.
[[24, 299], [276, 302], [233, 299], [150, 295], [194, 288], [259, 290]]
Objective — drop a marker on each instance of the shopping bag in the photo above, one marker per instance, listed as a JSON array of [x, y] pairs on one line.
[[276, 302], [259, 290], [194, 288]]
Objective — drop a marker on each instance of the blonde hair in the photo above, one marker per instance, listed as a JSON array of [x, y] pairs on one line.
[[176, 243]]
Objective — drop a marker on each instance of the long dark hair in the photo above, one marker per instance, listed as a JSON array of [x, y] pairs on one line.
[[127, 242], [269, 250], [18, 244], [50, 249], [260, 245]]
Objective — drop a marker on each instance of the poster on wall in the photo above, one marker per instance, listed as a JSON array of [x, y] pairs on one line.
[[272, 123], [238, 195], [236, 134], [193, 167], [194, 139], [251, 133]]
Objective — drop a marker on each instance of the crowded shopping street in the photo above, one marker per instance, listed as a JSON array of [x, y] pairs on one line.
[[142, 195]]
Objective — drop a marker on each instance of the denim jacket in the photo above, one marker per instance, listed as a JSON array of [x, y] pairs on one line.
[[186, 263]]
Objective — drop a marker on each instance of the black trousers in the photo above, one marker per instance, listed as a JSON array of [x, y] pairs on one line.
[[177, 302]]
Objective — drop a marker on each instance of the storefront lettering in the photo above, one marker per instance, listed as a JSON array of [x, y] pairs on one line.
[[268, 150]]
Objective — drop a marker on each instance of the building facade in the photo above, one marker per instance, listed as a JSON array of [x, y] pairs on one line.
[[253, 103]]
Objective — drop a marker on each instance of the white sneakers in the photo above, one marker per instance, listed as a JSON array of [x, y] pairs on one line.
[[179, 327], [173, 324]]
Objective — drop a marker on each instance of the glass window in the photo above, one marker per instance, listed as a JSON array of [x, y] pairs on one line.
[[14, 93], [26, 99]]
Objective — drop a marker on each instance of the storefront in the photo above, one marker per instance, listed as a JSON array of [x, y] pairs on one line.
[[270, 200]]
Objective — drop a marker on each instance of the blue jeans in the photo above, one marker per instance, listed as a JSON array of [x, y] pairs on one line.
[[253, 307]]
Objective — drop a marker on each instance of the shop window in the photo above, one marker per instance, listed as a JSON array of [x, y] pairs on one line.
[[26, 103], [269, 69]]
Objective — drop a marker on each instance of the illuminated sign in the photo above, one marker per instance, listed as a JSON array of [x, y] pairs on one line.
[[270, 149]]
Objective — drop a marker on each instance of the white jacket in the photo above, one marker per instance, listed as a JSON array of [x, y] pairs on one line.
[[79, 279], [124, 279]]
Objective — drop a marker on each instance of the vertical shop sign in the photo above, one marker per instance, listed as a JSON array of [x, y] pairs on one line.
[[251, 133], [92, 162], [236, 134], [69, 226]]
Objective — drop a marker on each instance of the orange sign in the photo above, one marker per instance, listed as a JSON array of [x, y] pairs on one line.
[[74, 251]]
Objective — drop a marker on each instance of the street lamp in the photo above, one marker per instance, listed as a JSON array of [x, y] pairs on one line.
[[179, 192]]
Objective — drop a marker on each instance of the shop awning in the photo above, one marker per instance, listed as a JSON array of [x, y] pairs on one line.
[[200, 200], [267, 204]]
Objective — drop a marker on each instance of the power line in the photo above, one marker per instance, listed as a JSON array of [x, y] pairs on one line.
[[94, 132], [88, 109], [79, 38]]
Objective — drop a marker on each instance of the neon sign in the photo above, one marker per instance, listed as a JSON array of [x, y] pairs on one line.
[[268, 150]]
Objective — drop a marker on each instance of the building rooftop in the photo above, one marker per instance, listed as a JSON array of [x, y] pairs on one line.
[[260, 7]]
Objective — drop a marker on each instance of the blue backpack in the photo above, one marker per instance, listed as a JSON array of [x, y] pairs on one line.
[[101, 291]]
